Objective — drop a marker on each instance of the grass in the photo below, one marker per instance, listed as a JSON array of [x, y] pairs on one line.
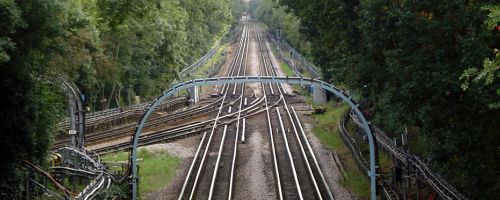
[[326, 126], [156, 168], [202, 71], [358, 183], [326, 130], [286, 69]]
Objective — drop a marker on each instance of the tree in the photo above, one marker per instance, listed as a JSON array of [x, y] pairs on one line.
[[491, 67], [274, 16], [406, 58], [28, 106], [111, 49]]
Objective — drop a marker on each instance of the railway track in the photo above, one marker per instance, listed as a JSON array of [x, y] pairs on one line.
[[201, 179], [298, 174], [179, 131], [123, 131], [212, 172], [214, 168]]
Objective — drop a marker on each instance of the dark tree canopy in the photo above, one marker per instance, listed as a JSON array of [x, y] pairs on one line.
[[405, 58], [112, 49]]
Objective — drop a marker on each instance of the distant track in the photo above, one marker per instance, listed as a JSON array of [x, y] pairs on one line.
[[306, 180]]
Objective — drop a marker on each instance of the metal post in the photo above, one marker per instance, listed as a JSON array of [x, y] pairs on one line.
[[72, 124], [27, 185], [403, 182], [417, 182], [81, 120], [278, 39]]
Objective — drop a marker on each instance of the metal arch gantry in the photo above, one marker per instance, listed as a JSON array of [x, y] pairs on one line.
[[247, 79]]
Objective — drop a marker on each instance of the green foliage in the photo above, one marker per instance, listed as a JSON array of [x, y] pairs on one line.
[[493, 16], [326, 128], [11, 19], [238, 7], [358, 183], [491, 67], [405, 59], [275, 16], [120, 49], [112, 49], [488, 74], [29, 106]]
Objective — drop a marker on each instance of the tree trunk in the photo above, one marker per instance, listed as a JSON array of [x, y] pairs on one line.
[[110, 95]]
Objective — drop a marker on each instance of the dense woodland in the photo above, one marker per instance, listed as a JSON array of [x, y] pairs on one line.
[[429, 66], [112, 49]]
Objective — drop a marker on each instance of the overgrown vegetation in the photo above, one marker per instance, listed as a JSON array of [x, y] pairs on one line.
[[326, 130], [405, 59], [156, 168], [112, 49], [217, 59]]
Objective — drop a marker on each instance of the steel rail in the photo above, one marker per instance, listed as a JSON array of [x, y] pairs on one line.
[[217, 162], [52, 193], [294, 172], [270, 129], [264, 79], [190, 171], [358, 156], [304, 154], [60, 187], [164, 135], [74, 170], [269, 64], [234, 61], [311, 152], [242, 62], [113, 133], [105, 116], [225, 89], [235, 150], [208, 144]]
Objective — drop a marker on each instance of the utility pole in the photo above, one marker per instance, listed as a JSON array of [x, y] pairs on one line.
[[278, 38]]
